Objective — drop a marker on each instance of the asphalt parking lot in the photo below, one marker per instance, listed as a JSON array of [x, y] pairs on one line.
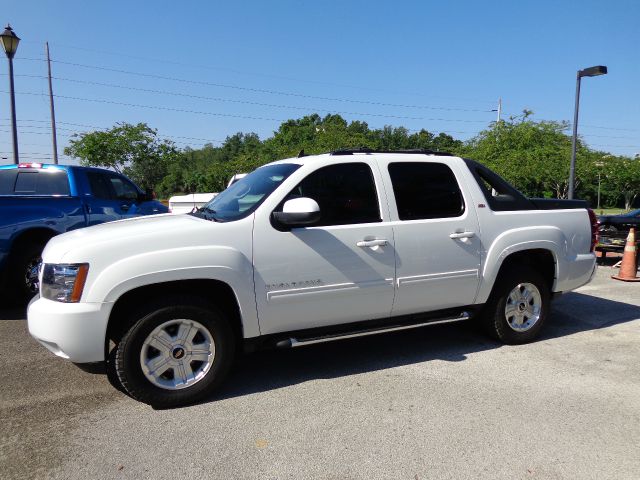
[[436, 403]]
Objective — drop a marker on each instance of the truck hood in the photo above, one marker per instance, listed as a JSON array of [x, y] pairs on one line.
[[130, 237]]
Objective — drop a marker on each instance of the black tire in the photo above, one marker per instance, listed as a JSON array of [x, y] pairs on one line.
[[22, 279], [128, 352], [494, 316]]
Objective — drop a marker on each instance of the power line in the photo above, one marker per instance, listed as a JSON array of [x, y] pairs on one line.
[[229, 115], [270, 105], [279, 77], [220, 99], [610, 128], [31, 154], [254, 90], [84, 125], [616, 146], [590, 135], [247, 102]]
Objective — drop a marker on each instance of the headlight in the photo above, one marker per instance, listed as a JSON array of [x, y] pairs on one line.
[[64, 282]]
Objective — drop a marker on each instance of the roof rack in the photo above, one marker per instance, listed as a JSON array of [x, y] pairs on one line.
[[420, 151]]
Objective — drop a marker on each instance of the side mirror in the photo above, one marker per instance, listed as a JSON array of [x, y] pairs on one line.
[[298, 212], [147, 196]]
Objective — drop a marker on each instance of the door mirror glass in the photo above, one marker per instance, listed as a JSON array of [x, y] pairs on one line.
[[298, 212]]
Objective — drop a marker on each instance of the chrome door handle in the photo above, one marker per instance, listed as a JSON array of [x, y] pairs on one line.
[[462, 235], [378, 242]]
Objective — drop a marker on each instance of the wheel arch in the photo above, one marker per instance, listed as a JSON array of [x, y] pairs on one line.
[[214, 292], [542, 258], [36, 234]]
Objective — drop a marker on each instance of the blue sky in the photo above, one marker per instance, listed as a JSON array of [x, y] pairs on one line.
[[436, 65]]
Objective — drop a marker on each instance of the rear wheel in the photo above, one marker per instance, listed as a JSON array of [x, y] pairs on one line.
[[175, 354], [519, 305]]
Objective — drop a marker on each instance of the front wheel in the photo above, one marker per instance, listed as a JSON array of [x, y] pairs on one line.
[[518, 306], [24, 270], [176, 354]]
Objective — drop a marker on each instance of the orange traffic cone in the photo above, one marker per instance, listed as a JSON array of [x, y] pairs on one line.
[[629, 264]]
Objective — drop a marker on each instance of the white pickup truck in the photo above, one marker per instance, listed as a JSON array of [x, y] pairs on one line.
[[306, 250]]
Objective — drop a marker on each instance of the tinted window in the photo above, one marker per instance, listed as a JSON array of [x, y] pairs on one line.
[[124, 190], [7, 181], [42, 182], [346, 194], [425, 190], [100, 185], [26, 182]]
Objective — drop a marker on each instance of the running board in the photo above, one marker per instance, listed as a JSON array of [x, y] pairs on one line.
[[295, 342]]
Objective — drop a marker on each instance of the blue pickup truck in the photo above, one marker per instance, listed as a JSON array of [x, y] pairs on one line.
[[39, 201]]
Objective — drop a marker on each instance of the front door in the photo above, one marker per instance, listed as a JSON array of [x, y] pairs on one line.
[[339, 270], [126, 196], [101, 204]]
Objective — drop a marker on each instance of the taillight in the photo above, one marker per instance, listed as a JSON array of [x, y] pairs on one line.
[[594, 228]]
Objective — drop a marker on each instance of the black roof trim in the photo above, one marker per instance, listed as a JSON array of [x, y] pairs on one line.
[[419, 151]]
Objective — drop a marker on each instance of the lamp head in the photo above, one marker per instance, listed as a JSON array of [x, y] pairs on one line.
[[593, 71], [9, 41]]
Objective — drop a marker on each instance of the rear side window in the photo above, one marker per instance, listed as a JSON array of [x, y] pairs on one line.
[[30, 182], [425, 190], [346, 194], [7, 181]]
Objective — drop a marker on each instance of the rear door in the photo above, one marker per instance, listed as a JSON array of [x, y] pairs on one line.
[[436, 231]]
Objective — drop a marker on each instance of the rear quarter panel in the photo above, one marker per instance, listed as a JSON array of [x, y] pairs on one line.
[[565, 233]]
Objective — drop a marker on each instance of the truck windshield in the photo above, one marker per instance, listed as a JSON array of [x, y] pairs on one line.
[[245, 195]]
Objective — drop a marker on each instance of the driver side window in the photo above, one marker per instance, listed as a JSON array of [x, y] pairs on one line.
[[346, 194], [124, 190]]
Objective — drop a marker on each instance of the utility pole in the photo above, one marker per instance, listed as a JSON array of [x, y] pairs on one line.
[[499, 108], [53, 111]]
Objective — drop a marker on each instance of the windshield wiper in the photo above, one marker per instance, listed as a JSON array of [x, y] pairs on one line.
[[206, 212]]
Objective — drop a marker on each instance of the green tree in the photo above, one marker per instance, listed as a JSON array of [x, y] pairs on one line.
[[534, 156], [134, 150], [623, 174]]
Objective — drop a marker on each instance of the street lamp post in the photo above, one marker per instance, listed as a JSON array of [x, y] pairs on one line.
[[599, 165], [10, 44], [587, 72]]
